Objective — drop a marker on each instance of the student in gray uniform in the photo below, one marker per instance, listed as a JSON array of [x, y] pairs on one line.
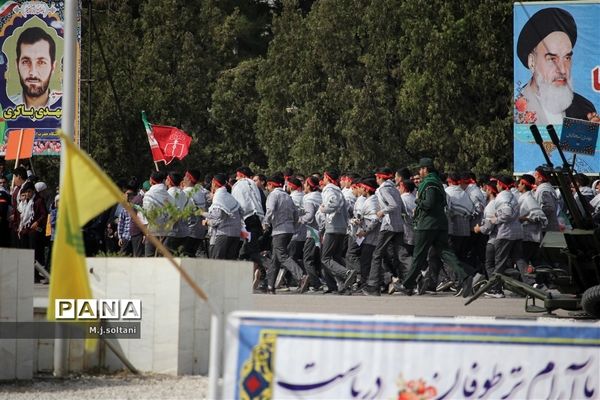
[[224, 218], [155, 202], [248, 195], [546, 197], [391, 233], [353, 248], [335, 211], [533, 220], [197, 194], [311, 251], [175, 239], [460, 209], [368, 227], [294, 188], [508, 231], [281, 215], [488, 229]]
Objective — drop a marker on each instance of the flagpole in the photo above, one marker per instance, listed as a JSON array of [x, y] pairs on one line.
[[215, 361], [19, 148], [156, 165], [61, 345], [12, 184]]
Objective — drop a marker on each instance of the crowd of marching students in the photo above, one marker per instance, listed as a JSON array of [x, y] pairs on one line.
[[324, 232]]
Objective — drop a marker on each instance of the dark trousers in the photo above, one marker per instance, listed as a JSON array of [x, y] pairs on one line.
[[378, 273], [490, 258], [191, 246], [460, 245], [175, 244], [126, 248], [476, 256], [332, 255], [506, 253], [312, 262], [137, 247], [436, 270], [250, 249], [353, 254], [225, 248], [366, 257], [296, 251], [439, 240], [281, 258]]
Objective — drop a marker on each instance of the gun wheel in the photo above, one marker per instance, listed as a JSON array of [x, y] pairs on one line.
[[591, 301]]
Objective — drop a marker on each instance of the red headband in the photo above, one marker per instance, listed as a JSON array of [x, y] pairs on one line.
[[467, 181], [503, 185], [453, 182], [276, 184], [367, 187], [311, 184], [191, 178], [170, 181], [542, 175], [292, 186], [527, 184], [217, 183], [153, 181], [330, 178], [494, 189], [384, 176]]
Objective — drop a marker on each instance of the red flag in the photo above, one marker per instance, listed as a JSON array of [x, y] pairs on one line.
[[166, 142], [173, 142]]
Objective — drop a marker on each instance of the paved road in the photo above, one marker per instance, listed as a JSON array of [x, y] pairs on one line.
[[434, 305]]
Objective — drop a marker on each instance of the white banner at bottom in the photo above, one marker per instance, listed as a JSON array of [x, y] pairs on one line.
[[304, 356]]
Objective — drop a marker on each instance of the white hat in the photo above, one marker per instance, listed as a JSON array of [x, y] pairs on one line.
[[39, 186]]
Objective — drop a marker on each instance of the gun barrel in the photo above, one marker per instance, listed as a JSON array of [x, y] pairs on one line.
[[537, 136]]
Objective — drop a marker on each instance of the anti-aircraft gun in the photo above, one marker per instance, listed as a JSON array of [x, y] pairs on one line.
[[578, 281]]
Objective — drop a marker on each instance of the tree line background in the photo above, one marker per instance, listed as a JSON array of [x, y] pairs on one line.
[[354, 84]]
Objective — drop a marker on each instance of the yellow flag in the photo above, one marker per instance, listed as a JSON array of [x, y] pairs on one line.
[[85, 191]]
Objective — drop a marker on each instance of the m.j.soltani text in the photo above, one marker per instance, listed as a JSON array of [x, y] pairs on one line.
[[112, 330]]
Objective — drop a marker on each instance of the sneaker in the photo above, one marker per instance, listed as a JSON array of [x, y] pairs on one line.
[[369, 291], [495, 294], [458, 293], [444, 285], [467, 287], [349, 279], [270, 290], [303, 286], [423, 285], [391, 288], [256, 279], [403, 289], [279, 280]]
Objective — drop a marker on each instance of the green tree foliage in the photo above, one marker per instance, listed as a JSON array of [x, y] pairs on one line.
[[308, 84]]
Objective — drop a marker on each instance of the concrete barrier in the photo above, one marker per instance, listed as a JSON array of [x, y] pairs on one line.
[[16, 305], [175, 325]]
